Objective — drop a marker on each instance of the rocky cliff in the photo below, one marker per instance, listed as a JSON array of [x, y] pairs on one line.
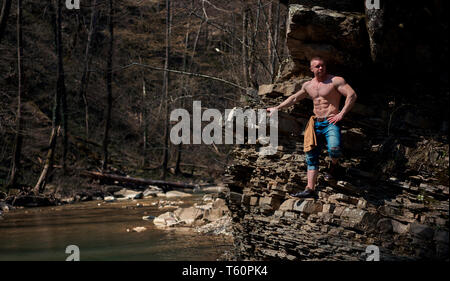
[[394, 189]]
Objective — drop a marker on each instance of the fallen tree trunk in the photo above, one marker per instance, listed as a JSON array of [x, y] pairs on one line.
[[136, 181]]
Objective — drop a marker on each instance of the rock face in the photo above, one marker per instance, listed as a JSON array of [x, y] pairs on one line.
[[347, 217], [338, 37], [394, 185]]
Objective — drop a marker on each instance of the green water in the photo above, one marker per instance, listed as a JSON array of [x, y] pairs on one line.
[[100, 232]]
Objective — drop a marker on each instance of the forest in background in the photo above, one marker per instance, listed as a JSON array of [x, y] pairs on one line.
[[66, 56]]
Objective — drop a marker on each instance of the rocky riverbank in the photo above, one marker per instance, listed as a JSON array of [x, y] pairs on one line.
[[211, 216]]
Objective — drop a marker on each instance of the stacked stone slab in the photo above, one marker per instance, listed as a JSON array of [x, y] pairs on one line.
[[341, 223]]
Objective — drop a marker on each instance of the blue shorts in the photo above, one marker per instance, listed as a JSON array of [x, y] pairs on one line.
[[325, 132]]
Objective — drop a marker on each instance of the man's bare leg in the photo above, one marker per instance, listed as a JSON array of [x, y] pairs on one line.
[[309, 190], [312, 179]]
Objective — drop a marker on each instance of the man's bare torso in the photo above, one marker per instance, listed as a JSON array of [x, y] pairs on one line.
[[325, 97]]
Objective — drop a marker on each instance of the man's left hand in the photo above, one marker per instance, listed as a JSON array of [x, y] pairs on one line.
[[336, 118]]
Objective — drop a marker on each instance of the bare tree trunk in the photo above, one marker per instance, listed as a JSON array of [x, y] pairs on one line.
[[60, 91], [272, 51], [135, 181], [244, 44], [4, 17], [166, 93], [252, 31], [108, 86], [186, 42], [195, 43], [87, 62], [64, 113], [77, 32], [15, 169], [144, 123], [233, 33]]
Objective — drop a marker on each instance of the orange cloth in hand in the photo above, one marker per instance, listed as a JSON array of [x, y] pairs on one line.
[[309, 141]]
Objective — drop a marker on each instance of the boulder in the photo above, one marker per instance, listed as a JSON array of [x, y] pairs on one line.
[[128, 194], [288, 125], [205, 206], [441, 236], [139, 229], [207, 197], [188, 215], [288, 205], [218, 210], [308, 206], [222, 225], [4, 207], [67, 200], [214, 189], [196, 215], [399, 228], [265, 89], [215, 214], [385, 226], [421, 231], [219, 203], [339, 37], [328, 208], [152, 192], [109, 199], [174, 193], [355, 216], [166, 219], [354, 140]]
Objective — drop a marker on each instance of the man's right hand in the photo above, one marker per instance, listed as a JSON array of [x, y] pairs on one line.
[[271, 110]]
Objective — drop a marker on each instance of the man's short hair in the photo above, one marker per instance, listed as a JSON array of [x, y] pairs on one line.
[[317, 58]]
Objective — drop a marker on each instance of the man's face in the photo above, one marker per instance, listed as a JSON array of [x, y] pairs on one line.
[[318, 68]]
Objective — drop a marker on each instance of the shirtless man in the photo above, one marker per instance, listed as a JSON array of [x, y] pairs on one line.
[[325, 90]]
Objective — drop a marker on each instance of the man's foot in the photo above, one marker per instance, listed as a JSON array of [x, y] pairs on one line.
[[328, 176], [332, 172], [307, 193]]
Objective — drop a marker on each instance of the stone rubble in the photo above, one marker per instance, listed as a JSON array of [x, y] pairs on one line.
[[340, 224], [210, 218]]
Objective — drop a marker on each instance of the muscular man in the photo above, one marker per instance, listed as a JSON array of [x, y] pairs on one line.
[[325, 90]]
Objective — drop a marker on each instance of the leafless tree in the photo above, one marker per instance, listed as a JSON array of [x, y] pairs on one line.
[[87, 62], [108, 85], [58, 98], [6, 7], [15, 167], [166, 93]]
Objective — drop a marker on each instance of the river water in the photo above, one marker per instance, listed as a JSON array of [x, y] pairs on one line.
[[99, 229]]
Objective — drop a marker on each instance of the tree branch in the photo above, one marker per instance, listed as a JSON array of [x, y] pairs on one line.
[[182, 72]]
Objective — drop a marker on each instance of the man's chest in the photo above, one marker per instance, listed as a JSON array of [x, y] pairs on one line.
[[324, 90]]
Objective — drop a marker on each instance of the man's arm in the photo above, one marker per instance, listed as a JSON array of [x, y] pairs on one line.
[[350, 97], [301, 94]]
